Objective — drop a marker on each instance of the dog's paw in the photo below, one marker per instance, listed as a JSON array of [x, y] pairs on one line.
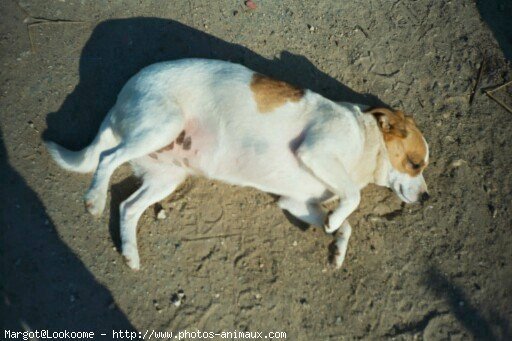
[[340, 251], [94, 203], [131, 256]]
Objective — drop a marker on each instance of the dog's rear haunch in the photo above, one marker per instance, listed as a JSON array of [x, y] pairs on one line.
[[225, 122]]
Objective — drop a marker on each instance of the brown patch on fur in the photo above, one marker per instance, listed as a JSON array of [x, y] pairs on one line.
[[404, 141], [153, 156], [187, 143], [180, 138], [166, 148], [270, 93]]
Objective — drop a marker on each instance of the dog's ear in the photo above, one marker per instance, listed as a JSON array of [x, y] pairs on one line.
[[390, 122]]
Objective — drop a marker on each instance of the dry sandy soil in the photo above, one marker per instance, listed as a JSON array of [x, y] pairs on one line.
[[437, 271]]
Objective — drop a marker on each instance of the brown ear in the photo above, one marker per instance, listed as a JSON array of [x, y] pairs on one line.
[[390, 122]]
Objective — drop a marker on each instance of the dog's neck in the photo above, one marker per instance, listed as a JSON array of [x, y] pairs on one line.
[[374, 158]]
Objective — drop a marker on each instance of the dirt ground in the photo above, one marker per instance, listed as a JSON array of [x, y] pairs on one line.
[[437, 271]]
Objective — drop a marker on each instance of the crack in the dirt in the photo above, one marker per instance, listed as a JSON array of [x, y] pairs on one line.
[[414, 326], [39, 20], [31, 21], [393, 214]]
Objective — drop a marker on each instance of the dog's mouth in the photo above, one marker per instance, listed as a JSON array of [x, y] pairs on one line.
[[402, 195]]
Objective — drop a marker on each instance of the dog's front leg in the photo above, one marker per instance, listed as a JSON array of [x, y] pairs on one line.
[[328, 168]]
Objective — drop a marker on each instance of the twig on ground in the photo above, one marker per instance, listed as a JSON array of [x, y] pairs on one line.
[[478, 77], [222, 236], [497, 100]]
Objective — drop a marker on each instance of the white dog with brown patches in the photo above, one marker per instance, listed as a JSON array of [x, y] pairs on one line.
[[223, 121]]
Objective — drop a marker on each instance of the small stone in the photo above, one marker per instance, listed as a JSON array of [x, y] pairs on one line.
[[175, 300], [311, 28], [178, 298], [161, 215], [156, 305], [250, 4], [457, 163], [258, 296], [295, 243]]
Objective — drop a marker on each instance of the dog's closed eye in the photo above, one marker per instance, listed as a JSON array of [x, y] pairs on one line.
[[414, 165]]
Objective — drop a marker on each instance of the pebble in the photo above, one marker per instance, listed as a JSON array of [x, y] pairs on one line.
[[250, 4], [157, 307], [161, 215], [295, 243], [178, 298], [457, 163]]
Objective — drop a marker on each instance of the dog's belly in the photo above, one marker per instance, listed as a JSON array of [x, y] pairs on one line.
[[191, 150], [260, 160]]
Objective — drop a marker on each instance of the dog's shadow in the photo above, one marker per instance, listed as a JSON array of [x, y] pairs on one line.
[[117, 49]]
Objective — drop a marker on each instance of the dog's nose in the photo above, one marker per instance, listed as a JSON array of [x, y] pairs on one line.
[[424, 197]]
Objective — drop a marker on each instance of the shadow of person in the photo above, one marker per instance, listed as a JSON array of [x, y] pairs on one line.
[[497, 13], [466, 314], [44, 284], [117, 49]]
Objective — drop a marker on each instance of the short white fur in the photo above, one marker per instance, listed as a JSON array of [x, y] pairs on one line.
[[305, 151]]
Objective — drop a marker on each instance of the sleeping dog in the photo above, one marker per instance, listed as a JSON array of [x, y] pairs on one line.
[[223, 121]]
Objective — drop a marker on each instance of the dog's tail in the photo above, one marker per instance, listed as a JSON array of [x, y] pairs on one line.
[[85, 160]]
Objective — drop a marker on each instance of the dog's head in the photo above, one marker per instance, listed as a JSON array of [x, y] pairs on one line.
[[407, 155]]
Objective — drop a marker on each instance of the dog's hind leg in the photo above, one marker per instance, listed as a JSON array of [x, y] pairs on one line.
[[156, 186], [141, 134], [307, 211]]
